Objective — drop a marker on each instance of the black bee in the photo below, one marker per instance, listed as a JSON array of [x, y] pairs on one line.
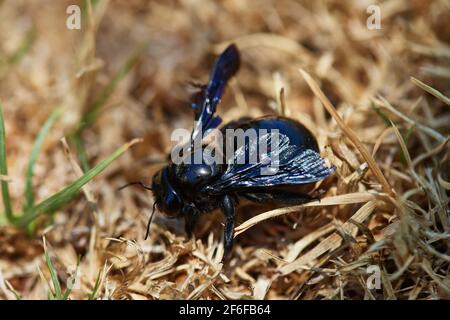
[[188, 190]]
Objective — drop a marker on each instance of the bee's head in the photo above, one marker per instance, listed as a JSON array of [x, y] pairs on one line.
[[167, 200]]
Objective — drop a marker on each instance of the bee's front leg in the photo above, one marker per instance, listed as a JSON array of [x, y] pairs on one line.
[[228, 209], [190, 220]]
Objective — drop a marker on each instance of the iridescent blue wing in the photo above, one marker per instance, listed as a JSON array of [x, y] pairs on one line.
[[282, 164], [205, 102]]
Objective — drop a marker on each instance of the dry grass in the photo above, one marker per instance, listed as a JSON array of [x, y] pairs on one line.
[[378, 101]]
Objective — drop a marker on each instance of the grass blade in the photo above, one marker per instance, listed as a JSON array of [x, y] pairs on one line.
[[54, 276], [93, 111], [4, 169], [16, 294], [390, 123], [3, 220], [95, 108], [81, 152], [348, 132], [382, 115], [53, 273], [93, 294], [349, 198], [406, 157], [50, 295], [84, 7], [437, 94], [17, 56], [64, 196], [23, 49], [29, 197], [406, 137]]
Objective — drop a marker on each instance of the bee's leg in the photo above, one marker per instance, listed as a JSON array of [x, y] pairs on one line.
[[190, 220], [228, 208], [282, 197]]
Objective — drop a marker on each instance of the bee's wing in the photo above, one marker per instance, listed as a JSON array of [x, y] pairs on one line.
[[205, 102], [282, 164]]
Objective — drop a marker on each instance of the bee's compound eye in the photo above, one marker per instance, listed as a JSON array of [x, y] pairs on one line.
[[169, 201], [171, 204]]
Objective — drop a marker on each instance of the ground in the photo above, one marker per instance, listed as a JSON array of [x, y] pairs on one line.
[[374, 95]]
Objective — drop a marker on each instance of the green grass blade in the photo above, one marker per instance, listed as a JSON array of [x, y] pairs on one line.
[[23, 49], [17, 56], [81, 152], [3, 220], [4, 169], [16, 294], [64, 196], [84, 8], [54, 276], [93, 294], [406, 137], [382, 115], [389, 123], [29, 197], [95, 108]]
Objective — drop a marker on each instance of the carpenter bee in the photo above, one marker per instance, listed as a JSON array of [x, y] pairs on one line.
[[189, 189]]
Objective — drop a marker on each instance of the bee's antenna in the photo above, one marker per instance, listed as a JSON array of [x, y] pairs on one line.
[[150, 220], [134, 183]]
